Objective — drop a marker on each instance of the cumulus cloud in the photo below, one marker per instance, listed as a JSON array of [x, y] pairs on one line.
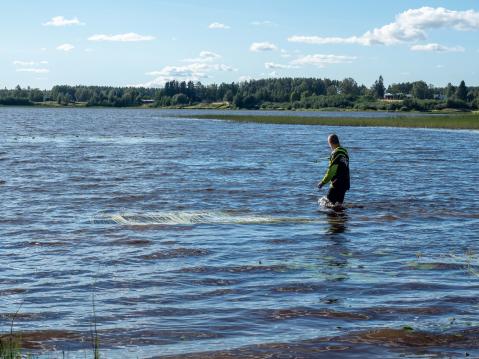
[[65, 47], [244, 78], [318, 40], [191, 72], [61, 21], [272, 65], [205, 56], [29, 63], [322, 60], [433, 47], [262, 46], [218, 25], [34, 70], [128, 37], [23, 63], [410, 25]]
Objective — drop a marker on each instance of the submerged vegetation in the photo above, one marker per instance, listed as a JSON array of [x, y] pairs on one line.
[[458, 121], [10, 346], [275, 93]]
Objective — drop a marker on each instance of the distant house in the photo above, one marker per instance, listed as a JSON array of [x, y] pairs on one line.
[[147, 101], [393, 96], [439, 96]]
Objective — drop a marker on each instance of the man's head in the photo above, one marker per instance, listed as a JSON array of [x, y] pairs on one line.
[[333, 141]]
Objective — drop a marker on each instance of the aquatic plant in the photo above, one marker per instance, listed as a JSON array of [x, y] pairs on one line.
[[10, 344], [93, 328], [460, 121]]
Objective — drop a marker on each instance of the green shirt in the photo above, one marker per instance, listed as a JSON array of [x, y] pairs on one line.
[[338, 169]]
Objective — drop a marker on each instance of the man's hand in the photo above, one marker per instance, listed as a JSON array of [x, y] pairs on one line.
[[320, 185]]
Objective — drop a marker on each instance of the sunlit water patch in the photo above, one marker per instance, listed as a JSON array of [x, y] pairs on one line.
[[195, 217]]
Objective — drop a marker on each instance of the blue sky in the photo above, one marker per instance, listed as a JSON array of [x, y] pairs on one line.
[[147, 42]]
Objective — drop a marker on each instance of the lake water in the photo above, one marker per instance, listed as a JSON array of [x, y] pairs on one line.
[[203, 235]]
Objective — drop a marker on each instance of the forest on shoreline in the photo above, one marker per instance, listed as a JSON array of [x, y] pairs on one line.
[[273, 93]]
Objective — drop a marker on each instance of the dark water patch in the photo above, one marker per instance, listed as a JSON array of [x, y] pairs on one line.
[[15, 221], [377, 343], [412, 338], [169, 242], [28, 317], [121, 337], [215, 282], [132, 242], [279, 268], [175, 253], [202, 295], [51, 339], [280, 241], [401, 287], [461, 299], [438, 266], [292, 313], [12, 291], [297, 288], [46, 244]]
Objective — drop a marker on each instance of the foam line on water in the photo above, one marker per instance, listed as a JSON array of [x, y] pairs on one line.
[[193, 217]]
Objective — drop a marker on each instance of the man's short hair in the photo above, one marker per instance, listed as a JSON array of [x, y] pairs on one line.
[[334, 139]]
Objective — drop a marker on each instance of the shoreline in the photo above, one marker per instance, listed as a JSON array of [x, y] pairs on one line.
[[448, 111], [452, 122], [410, 119]]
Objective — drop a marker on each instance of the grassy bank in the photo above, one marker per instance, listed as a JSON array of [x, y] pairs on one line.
[[459, 121]]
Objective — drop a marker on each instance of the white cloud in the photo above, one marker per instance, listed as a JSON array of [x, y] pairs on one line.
[[433, 47], [218, 25], [272, 65], [190, 72], [35, 70], [43, 49], [223, 67], [29, 63], [244, 78], [65, 47], [318, 40], [322, 60], [61, 21], [23, 63], [262, 46], [128, 37], [88, 49], [410, 25], [205, 56], [439, 66]]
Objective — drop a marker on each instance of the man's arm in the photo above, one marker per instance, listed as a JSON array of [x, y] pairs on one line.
[[330, 173]]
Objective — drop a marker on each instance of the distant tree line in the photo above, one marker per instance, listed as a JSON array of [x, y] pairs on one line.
[[274, 93]]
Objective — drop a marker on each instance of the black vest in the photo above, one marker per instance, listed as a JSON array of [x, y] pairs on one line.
[[341, 180]]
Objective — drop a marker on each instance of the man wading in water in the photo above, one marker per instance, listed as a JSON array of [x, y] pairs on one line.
[[337, 173]]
